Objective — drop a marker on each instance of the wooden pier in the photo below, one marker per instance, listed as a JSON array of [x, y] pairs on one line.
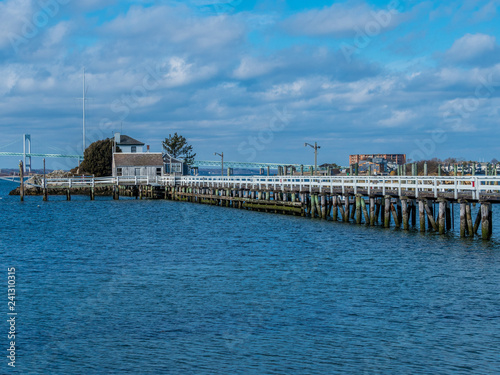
[[385, 201]]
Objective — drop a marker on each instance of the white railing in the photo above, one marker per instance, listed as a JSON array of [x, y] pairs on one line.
[[472, 186]]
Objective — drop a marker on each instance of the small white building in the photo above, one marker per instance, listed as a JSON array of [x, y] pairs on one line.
[[128, 144], [138, 164]]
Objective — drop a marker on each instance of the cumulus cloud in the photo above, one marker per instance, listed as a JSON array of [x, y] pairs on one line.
[[163, 66], [14, 15], [478, 49], [342, 19], [397, 118]]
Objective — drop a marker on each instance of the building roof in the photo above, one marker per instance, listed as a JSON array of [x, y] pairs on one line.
[[167, 157], [138, 159], [129, 141]]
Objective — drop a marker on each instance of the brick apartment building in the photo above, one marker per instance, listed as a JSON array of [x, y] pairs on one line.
[[394, 158]]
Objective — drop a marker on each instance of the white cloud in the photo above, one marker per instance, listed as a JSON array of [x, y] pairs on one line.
[[250, 68], [471, 47], [343, 19], [397, 118], [14, 15]]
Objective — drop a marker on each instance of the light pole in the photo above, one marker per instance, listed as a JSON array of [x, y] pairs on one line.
[[222, 162], [315, 154]]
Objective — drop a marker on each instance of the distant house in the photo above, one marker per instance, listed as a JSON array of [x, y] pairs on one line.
[[174, 165], [394, 158], [375, 165], [138, 164], [128, 144]]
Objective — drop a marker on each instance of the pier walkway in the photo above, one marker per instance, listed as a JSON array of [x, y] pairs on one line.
[[369, 200]]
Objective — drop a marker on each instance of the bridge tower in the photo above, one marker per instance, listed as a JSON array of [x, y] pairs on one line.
[[27, 152]]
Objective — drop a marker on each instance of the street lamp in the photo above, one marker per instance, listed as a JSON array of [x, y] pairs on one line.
[[222, 162], [315, 154]]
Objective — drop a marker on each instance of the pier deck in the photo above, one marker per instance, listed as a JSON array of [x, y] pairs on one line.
[[369, 200]]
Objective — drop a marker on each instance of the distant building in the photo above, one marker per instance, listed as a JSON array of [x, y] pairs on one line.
[[143, 164], [174, 165], [131, 160], [373, 165], [128, 144], [391, 158]]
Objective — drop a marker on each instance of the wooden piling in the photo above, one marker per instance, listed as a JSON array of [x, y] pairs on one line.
[[323, 206], [387, 213], [430, 217], [365, 212], [346, 208], [353, 211], [377, 209], [448, 216], [404, 213], [68, 194], [463, 220], [372, 211], [477, 222], [358, 209], [468, 216], [442, 216], [318, 208], [395, 216], [413, 207], [485, 220], [334, 208], [421, 215], [313, 206]]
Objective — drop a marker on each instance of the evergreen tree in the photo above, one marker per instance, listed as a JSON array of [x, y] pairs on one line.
[[98, 158], [177, 147]]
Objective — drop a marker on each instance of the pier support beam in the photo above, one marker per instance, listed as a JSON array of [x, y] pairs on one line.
[[404, 212], [462, 219], [413, 206], [358, 209], [68, 194], [395, 216], [442, 216], [430, 217], [334, 208], [346, 209], [365, 212], [323, 206], [486, 216], [372, 211], [421, 215], [387, 211], [468, 216]]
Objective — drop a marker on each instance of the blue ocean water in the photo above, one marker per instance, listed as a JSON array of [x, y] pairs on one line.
[[160, 287]]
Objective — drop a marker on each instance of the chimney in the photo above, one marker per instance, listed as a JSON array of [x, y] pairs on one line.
[[117, 138], [148, 147]]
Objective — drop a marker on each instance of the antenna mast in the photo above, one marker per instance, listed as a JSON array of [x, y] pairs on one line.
[[84, 109]]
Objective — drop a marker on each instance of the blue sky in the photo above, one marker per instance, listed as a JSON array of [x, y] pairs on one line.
[[254, 79]]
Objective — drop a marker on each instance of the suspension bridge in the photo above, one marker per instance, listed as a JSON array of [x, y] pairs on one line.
[[27, 155]]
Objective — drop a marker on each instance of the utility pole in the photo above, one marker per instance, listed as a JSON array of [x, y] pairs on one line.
[[315, 147], [222, 162], [84, 99]]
